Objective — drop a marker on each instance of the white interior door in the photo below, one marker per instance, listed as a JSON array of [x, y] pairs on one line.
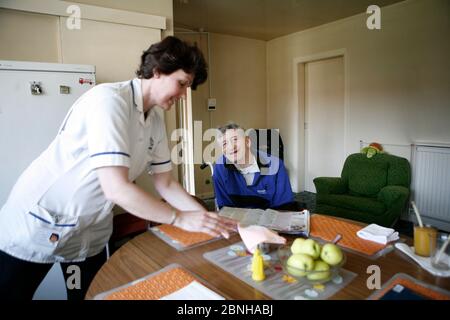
[[324, 114], [198, 113]]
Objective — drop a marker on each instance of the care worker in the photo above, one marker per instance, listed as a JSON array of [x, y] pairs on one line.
[[60, 208]]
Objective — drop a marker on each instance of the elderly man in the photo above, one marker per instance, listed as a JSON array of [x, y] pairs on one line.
[[247, 178]]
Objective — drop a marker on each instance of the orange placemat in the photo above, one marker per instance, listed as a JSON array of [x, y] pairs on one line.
[[415, 285], [327, 228], [186, 238], [154, 287]]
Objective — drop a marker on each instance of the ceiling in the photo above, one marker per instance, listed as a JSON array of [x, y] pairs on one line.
[[264, 19]]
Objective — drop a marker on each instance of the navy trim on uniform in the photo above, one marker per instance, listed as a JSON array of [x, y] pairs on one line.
[[56, 224], [112, 152], [159, 163], [132, 91], [37, 217], [65, 225]]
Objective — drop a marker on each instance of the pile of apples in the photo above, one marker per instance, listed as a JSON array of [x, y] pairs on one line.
[[312, 260]]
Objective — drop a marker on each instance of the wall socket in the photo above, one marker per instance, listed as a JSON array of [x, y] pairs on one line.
[[212, 104]]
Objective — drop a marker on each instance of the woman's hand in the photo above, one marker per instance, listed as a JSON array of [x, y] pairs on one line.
[[205, 221]]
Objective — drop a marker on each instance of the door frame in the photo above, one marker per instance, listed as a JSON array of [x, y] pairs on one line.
[[186, 142], [185, 121], [298, 66]]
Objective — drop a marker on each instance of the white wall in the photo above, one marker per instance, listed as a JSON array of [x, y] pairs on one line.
[[28, 36], [397, 78]]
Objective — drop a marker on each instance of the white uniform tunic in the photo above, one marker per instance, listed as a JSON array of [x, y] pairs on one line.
[[57, 211]]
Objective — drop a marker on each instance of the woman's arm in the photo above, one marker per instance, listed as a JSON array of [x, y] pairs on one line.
[[174, 193]]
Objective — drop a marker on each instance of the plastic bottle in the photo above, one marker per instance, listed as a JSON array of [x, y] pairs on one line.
[[258, 266]]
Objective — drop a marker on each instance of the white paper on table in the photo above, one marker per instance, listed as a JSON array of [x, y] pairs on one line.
[[193, 291], [424, 262], [254, 235]]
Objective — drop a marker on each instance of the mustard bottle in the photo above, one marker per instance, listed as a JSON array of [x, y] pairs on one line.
[[258, 266]]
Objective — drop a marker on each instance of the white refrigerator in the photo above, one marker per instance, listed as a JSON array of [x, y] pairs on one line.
[[34, 99]]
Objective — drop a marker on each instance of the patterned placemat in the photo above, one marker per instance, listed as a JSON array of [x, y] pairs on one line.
[[152, 287], [237, 261], [326, 228], [396, 288], [181, 239]]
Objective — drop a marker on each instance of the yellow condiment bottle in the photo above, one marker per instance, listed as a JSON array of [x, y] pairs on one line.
[[258, 266]]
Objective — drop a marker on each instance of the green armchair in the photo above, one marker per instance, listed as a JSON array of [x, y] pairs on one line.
[[370, 190]]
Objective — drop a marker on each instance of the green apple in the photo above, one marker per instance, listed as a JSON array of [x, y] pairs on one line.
[[331, 254], [298, 264], [295, 247], [306, 246], [321, 271], [295, 272]]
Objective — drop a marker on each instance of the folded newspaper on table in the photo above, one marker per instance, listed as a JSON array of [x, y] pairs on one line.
[[290, 222]]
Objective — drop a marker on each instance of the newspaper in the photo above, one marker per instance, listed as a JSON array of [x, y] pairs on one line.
[[290, 222]]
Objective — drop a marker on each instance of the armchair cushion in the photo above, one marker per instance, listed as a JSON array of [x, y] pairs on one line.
[[366, 177], [371, 205]]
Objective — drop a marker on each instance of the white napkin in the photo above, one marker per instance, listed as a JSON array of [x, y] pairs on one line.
[[379, 234]]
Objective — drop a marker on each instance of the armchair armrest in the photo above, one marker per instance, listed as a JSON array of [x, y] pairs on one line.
[[391, 195], [330, 185]]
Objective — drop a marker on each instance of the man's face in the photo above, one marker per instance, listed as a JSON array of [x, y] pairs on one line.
[[236, 146]]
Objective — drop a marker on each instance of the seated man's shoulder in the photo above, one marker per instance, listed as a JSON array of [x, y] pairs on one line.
[[220, 166], [267, 157], [269, 162], [220, 163]]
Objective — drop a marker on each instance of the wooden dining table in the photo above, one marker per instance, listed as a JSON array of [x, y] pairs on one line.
[[147, 253]]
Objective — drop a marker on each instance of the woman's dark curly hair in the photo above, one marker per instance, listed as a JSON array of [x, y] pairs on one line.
[[171, 54]]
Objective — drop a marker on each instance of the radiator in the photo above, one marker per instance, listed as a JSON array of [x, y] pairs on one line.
[[431, 183]]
